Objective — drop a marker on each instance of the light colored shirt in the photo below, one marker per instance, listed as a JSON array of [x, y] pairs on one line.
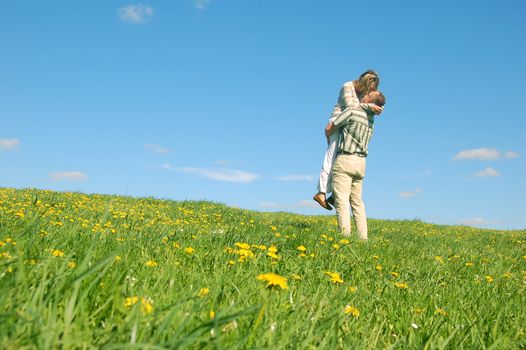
[[356, 126]]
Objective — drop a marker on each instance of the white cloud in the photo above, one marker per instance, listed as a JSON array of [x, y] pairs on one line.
[[488, 172], [479, 221], [68, 176], [227, 175], [294, 178], [138, 13], [201, 4], [225, 162], [308, 203], [511, 155], [409, 194], [484, 154], [9, 144], [157, 149]]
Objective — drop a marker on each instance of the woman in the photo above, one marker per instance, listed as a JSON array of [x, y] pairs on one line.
[[350, 95]]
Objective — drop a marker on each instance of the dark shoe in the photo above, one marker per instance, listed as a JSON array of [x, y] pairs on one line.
[[321, 201], [330, 200]]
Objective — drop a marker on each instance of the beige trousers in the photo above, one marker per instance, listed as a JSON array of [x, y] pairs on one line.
[[347, 178]]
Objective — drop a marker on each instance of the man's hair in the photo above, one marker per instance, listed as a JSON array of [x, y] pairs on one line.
[[367, 82], [378, 98]]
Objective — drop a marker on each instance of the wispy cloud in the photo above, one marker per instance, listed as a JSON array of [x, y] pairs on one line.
[[201, 4], [479, 221], [9, 144], [225, 162], [294, 178], [308, 204], [410, 194], [484, 154], [136, 14], [488, 172], [68, 176], [227, 175], [157, 149]]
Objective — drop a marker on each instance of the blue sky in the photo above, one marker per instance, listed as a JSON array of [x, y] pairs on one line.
[[227, 101]]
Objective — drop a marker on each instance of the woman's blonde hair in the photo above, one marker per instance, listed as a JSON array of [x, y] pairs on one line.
[[367, 82]]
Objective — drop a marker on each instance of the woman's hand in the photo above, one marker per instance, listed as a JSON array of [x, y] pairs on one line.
[[377, 109], [329, 129]]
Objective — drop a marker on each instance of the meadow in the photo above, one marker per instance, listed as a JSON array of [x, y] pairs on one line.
[[113, 272]]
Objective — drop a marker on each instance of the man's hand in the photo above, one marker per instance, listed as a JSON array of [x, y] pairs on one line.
[[329, 129], [377, 109]]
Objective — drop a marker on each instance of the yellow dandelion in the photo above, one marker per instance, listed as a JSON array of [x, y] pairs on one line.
[[72, 264], [146, 305], [344, 241], [231, 262], [273, 249], [130, 301], [378, 267], [440, 311], [301, 248], [469, 264], [334, 277], [336, 246], [273, 255], [212, 314], [439, 259], [245, 246], [489, 279], [118, 258], [351, 310], [203, 292], [189, 250], [274, 280], [57, 253], [151, 263], [395, 274], [376, 257], [401, 285]]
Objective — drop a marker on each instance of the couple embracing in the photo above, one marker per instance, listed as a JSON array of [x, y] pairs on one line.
[[348, 134]]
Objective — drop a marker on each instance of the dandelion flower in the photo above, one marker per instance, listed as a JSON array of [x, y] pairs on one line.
[[351, 310], [302, 248], [203, 292], [489, 279], [274, 280], [57, 253], [189, 250], [151, 263], [72, 265], [440, 311], [401, 285], [335, 277]]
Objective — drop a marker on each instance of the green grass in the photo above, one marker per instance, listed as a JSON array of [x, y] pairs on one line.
[[465, 286]]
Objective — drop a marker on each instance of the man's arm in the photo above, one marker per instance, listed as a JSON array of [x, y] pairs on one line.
[[371, 107], [340, 120]]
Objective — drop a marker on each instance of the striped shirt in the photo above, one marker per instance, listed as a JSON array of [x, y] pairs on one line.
[[346, 98], [356, 127]]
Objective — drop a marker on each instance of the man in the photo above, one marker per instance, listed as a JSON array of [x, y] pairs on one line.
[[348, 171]]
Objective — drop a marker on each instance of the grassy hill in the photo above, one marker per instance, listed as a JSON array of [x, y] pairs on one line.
[[112, 272]]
